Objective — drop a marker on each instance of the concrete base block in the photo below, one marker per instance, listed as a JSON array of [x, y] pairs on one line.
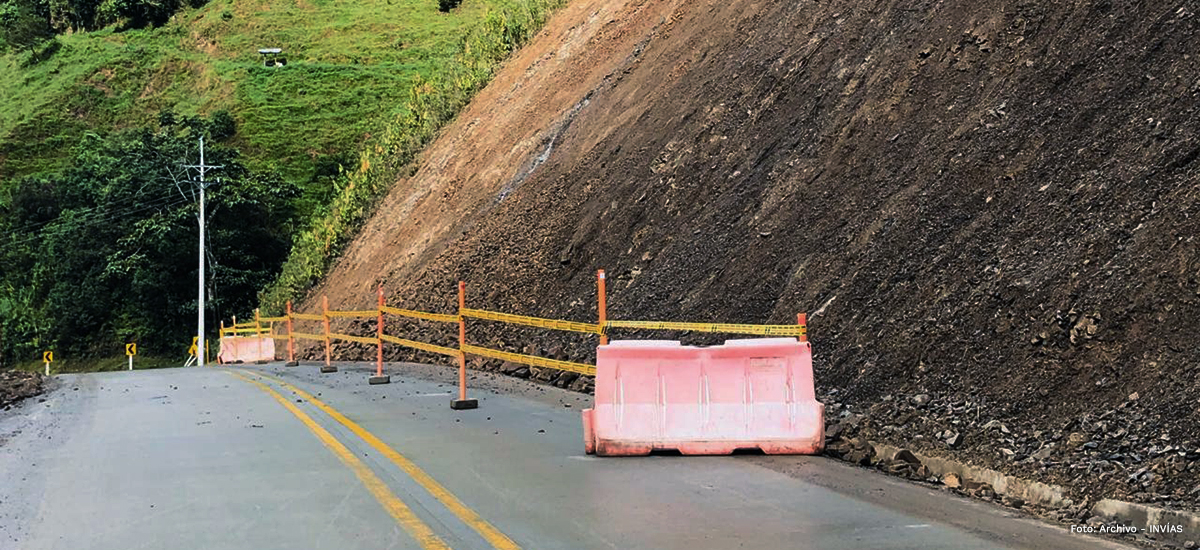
[[1177, 526], [464, 404], [329, 369], [260, 362], [1030, 491], [292, 364], [376, 380]]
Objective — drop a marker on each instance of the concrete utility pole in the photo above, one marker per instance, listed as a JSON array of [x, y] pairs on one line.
[[202, 184]]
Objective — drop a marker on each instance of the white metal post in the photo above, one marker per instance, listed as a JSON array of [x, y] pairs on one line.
[[47, 368], [130, 362], [202, 184], [200, 294]]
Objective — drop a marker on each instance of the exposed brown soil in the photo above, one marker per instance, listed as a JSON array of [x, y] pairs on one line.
[[992, 203]]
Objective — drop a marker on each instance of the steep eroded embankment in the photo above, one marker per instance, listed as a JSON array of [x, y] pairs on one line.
[[995, 204]]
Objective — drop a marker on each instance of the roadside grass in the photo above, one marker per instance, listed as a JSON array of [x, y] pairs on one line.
[[100, 364]]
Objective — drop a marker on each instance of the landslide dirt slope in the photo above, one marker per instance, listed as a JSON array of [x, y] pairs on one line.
[[993, 203], [17, 385]]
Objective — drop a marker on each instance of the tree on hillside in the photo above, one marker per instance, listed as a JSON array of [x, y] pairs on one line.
[[67, 15], [135, 13], [24, 24], [106, 250]]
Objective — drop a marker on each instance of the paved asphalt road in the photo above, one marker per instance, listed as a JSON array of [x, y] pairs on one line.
[[213, 458]]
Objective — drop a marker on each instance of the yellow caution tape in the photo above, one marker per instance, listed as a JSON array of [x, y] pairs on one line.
[[359, 339], [760, 330], [354, 314], [421, 346], [276, 336], [272, 319], [580, 368], [553, 324], [303, 336], [438, 317], [236, 331], [307, 317], [245, 324]]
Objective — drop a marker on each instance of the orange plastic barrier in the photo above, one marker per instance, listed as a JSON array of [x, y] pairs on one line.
[[246, 349], [746, 394]]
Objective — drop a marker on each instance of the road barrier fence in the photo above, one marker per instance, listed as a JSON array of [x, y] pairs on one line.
[[265, 329]]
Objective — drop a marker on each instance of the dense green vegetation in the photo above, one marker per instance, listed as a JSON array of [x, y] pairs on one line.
[[97, 225], [104, 252], [75, 364], [26, 23]]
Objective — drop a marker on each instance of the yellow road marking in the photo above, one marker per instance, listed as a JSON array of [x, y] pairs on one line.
[[396, 507], [486, 530]]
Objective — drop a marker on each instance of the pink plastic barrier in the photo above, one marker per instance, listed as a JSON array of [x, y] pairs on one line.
[[246, 349], [746, 394]]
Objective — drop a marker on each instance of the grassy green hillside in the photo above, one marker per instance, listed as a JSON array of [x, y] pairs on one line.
[[105, 118], [434, 101], [350, 67]]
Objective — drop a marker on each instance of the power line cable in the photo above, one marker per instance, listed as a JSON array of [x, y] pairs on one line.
[[174, 178], [86, 213], [139, 193], [111, 216], [108, 217]]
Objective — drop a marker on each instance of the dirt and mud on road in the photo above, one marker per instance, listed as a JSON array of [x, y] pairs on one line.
[[17, 385], [992, 205]]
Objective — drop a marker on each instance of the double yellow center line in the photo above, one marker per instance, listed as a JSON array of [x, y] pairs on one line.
[[396, 507]]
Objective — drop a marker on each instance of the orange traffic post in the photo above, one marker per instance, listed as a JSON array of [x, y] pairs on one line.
[[802, 320], [291, 362], [328, 347], [258, 335], [603, 306], [379, 377], [220, 336], [462, 402]]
